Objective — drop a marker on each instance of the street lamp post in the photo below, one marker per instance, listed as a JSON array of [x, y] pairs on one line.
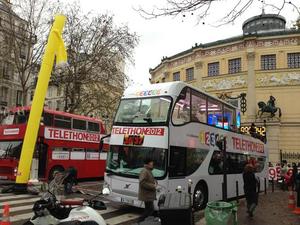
[[106, 119], [222, 146]]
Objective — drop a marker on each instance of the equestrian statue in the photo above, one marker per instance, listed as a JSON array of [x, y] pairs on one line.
[[269, 107]]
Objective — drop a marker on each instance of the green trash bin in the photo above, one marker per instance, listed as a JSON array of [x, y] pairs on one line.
[[219, 213]]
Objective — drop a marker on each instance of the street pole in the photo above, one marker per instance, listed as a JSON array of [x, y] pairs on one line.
[[224, 169]]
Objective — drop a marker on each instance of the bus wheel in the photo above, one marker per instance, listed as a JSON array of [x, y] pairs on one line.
[[53, 171], [200, 197]]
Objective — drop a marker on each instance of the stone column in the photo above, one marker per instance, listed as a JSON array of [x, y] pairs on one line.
[[251, 94], [197, 73]]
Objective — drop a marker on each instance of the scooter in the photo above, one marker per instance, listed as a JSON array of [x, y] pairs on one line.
[[51, 211]]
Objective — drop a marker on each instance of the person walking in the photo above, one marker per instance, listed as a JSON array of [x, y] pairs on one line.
[[295, 172], [283, 171], [70, 180], [147, 188], [250, 185]]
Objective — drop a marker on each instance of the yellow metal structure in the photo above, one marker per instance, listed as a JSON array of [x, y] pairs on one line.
[[54, 48]]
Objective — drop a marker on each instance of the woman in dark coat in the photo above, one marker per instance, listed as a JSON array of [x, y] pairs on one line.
[[250, 184]]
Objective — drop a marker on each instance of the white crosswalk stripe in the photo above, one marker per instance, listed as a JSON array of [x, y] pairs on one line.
[[21, 209], [121, 219]]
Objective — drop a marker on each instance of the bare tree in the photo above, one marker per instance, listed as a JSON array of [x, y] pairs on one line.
[[202, 8], [97, 50], [26, 28]]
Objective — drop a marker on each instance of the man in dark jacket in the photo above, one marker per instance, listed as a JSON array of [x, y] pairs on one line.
[[250, 184], [147, 188]]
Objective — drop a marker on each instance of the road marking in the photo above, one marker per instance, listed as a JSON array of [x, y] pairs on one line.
[[25, 216], [15, 196], [30, 200], [90, 183], [107, 210], [18, 208], [121, 219]]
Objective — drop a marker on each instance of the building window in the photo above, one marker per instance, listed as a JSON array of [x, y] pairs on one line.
[[293, 60], [190, 74], [50, 104], [19, 98], [6, 70], [176, 76], [268, 62], [213, 69], [50, 92], [23, 52], [234, 65], [31, 95], [4, 94]]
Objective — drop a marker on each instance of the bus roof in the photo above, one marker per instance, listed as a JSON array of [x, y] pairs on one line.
[[168, 88], [55, 112]]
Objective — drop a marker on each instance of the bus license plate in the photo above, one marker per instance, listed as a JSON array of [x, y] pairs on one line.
[[125, 200], [3, 177]]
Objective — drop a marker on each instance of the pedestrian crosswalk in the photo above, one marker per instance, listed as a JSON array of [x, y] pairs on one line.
[[21, 210]]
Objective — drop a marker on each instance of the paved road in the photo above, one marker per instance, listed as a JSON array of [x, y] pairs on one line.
[[21, 206], [115, 214]]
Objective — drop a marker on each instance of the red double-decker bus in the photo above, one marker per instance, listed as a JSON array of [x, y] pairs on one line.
[[64, 140]]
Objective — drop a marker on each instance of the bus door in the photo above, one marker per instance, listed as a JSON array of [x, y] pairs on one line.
[[42, 158], [177, 169]]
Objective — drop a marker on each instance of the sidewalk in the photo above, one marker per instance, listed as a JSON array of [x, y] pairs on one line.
[[272, 209]]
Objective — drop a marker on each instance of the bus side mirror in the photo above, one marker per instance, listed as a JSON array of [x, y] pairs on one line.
[[219, 144]]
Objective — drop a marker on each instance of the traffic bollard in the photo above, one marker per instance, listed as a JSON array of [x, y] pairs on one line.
[[265, 186], [237, 190]]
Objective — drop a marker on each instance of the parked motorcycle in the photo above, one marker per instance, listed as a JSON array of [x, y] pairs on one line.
[[51, 211]]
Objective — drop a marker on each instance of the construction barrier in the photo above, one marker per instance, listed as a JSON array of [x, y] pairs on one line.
[[297, 208], [5, 215], [291, 203]]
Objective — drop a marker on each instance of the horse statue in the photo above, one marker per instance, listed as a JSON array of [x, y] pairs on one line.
[[269, 107]]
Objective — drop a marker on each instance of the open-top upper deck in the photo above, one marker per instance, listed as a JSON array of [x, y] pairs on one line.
[[172, 89]]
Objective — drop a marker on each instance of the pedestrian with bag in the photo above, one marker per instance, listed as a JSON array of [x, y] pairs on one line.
[[250, 188], [147, 188]]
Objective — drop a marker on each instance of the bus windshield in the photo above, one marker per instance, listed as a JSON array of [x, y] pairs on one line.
[[10, 149], [143, 110], [129, 160]]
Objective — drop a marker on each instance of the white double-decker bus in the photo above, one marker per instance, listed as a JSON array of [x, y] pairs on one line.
[[178, 126]]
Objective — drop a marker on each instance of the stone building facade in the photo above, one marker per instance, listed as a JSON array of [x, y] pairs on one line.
[[264, 61], [11, 92]]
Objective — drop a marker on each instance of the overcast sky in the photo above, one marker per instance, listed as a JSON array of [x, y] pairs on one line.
[[167, 36]]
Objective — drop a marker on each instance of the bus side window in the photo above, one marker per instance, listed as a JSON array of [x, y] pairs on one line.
[[79, 124], [177, 161], [229, 116], [194, 159], [62, 121], [214, 113], [93, 127], [199, 107], [182, 110], [48, 119], [216, 163]]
